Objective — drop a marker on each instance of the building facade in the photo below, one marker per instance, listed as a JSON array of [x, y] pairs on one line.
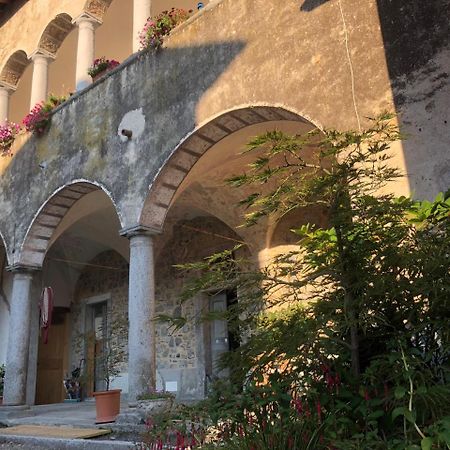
[[129, 178]]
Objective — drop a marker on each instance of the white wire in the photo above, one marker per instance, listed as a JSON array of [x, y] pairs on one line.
[[352, 75]]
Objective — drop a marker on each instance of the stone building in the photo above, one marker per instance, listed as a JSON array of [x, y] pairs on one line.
[[128, 179]]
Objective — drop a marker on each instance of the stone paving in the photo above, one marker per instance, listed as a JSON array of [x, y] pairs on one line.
[[65, 414]]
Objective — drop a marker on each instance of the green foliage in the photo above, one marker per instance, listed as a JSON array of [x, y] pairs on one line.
[[2, 378], [346, 335]]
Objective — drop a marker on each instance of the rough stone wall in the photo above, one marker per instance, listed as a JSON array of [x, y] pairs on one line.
[[96, 280], [181, 354]]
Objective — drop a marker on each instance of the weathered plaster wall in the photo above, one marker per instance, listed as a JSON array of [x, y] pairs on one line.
[[262, 52], [416, 37], [23, 29]]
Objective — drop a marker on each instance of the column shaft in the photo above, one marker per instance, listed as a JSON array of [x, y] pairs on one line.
[[39, 83], [85, 50], [141, 312], [141, 12], [4, 104], [18, 340]]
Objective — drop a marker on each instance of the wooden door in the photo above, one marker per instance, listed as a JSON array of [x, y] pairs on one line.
[[51, 364]]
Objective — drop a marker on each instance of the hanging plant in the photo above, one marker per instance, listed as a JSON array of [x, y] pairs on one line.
[[8, 132], [156, 28], [38, 119], [100, 66]]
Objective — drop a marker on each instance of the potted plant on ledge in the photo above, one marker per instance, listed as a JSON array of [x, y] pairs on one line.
[[100, 66], [108, 365]]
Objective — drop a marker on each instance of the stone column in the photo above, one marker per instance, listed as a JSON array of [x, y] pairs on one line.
[[39, 83], [86, 24], [141, 314], [5, 92], [18, 338], [141, 12]]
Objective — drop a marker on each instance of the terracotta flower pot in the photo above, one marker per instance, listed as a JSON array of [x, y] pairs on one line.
[[107, 405], [99, 75]]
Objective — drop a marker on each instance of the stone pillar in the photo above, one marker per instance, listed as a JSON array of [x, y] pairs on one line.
[[39, 83], [86, 24], [5, 92], [19, 338], [141, 314], [141, 12]]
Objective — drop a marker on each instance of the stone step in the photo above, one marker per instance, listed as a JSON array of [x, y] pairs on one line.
[[41, 443]]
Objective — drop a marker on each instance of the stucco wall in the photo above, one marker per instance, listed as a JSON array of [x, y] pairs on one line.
[[261, 52]]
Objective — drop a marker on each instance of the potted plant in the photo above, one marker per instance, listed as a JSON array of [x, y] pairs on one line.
[[8, 132], [156, 28], [38, 119], [100, 66], [2, 382], [109, 363]]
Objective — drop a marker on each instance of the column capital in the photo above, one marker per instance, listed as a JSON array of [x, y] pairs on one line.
[[7, 87], [86, 17], [41, 54], [22, 268], [139, 230]]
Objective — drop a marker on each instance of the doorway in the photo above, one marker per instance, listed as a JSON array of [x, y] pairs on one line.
[[97, 329], [221, 339], [52, 362]]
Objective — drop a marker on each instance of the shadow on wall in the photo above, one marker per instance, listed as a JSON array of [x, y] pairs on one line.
[[416, 36], [310, 5]]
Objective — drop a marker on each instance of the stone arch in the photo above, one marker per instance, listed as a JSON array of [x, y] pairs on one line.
[[14, 68], [97, 8], [191, 148], [50, 215], [55, 33]]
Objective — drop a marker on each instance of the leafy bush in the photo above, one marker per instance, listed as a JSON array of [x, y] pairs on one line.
[[346, 335]]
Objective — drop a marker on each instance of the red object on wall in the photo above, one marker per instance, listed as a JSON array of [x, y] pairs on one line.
[[45, 312]]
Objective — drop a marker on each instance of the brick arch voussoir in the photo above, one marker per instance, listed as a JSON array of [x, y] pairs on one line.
[[190, 150], [13, 69], [55, 33], [47, 219]]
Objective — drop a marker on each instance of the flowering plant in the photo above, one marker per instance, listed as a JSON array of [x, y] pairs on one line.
[[100, 65], [8, 132], [38, 119], [156, 28]]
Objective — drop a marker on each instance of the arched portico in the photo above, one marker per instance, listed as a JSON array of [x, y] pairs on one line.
[[190, 212], [74, 208], [49, 217]]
